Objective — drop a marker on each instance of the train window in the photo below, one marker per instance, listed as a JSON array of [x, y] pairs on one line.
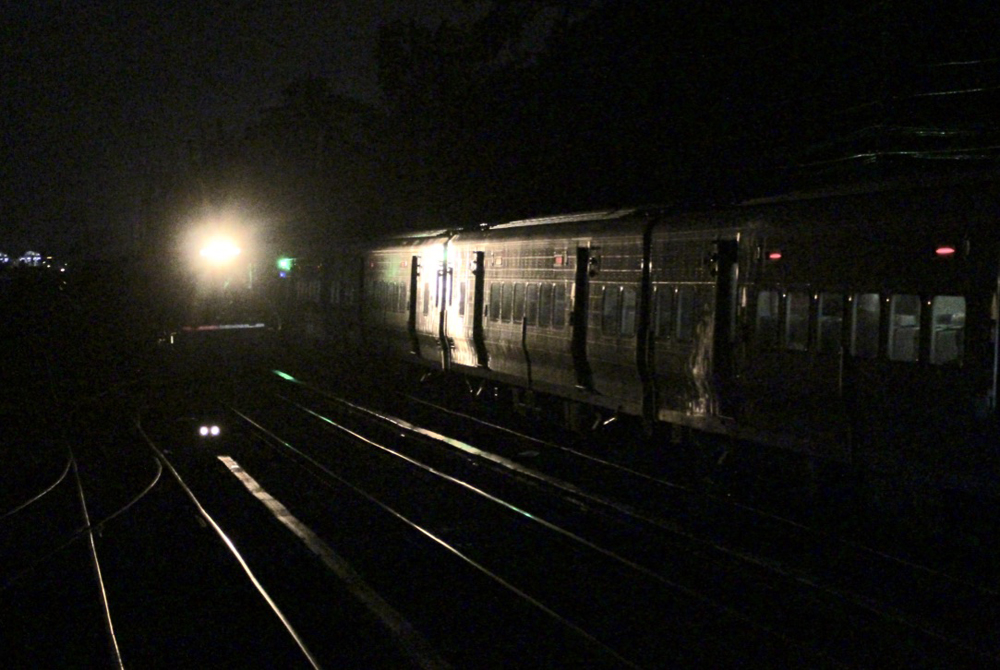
[[628, 311], [865, 319], [664, 310], [427, 298], [506, 302], [494, 306], [403, 304], [797, 321], [947, 329], [531, 305], [334, 293], [462, 297], [559, 306], [518, 302], [904, 327], [393, 300], [767, 318], [685, 314], [829, 328], [610, 309], [545, 306]]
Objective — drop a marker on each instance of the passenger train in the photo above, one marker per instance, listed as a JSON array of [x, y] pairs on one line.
[[856, 325]]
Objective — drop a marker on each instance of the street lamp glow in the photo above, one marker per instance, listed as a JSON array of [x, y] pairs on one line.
[[220, 251]]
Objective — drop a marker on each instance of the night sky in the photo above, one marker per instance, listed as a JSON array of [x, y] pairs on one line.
[[101, 98], [95, 92]]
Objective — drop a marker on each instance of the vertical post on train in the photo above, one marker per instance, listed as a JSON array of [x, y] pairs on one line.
[[585, 265], [645, 342], [995, 330], [445, 278], [411, 319], [478, 300]]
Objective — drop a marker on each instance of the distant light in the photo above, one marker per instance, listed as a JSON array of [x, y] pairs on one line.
[[207, 430], [220, 250], [282, 274], [774, 255], [945, 251], [203, 431], [285, 376], [214, 430], [285, 265]]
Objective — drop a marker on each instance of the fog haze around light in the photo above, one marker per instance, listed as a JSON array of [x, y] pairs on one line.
[[102, 101], [95, 95]]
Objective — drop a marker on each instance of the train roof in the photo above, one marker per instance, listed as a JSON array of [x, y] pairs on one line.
[[599, 215], [875, 186]]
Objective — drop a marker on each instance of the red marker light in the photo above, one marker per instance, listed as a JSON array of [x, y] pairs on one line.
[[774, 256], [945, 251]]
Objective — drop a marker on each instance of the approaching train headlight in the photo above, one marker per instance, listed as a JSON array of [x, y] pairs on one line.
[[220, 251], [209, 430]]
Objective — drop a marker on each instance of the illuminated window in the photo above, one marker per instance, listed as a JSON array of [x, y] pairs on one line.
[[494, 306], [462, 297], [904, 328], [531, 304], [610, 309], [768, 318], [686, 313], [865, 319], [947, 329], [628, 311], [664, 310], [559, 306], [518, 302], [393, 297], [545, 306], [403, 304], [427, 298], [506, 303], [829, 328], [797, 321]]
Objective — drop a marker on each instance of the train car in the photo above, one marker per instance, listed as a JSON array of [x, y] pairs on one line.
[[869, 330], [857, 326], [405, 291], [343, 275], [526, 305]]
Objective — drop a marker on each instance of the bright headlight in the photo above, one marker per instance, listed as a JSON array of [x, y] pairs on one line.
[[220, 250]]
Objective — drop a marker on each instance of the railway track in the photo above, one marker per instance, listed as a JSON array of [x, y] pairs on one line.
[[321, 533], [889, 633]]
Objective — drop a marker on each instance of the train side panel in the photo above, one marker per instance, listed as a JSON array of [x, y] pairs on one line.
[[693, 379], [404, 294], [867, 345]]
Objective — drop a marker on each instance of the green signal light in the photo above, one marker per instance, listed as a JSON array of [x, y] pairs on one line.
[[285, 264]]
